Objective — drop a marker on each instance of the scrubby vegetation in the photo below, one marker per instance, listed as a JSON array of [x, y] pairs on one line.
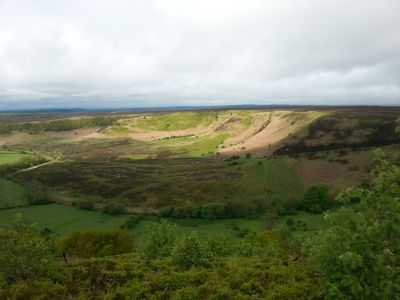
[[343, 130], [57, 125], [238, 226]]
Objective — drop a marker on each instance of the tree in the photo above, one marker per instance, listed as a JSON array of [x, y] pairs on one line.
[[316, 199], [24, 253], [188, 251], [160, 240], [360, 255]]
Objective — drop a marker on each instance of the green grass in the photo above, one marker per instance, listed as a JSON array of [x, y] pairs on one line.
[[11, 194], [191, 146], [203, 227], [63, 219], [175, 121], [10, 157], [313, 221], [207, 146]]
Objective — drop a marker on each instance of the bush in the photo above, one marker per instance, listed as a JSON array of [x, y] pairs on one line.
[[232, 158], [212, 211], [188, 251], [115, 208], [131, 222], [218, 245], [160, 240], [316, 199], [265, 244], [96, 243], [84, 204], [359, 255], [24, 253]]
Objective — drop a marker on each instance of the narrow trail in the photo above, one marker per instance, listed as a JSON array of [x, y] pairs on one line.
[[38, 166]]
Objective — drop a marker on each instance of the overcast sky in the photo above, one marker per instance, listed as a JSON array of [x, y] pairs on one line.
[[99, 53]]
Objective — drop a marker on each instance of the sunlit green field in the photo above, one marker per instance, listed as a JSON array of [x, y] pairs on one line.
[[10, 157], [61, 220], [176, 121]]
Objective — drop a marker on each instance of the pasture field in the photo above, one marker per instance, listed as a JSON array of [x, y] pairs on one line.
[[61, 220], [11, 194], [11, 156]]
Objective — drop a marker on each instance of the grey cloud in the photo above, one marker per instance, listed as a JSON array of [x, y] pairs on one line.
[[185, 52]]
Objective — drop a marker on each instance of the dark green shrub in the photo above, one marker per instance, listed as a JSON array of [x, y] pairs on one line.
[[84, 204], [96, 243], [115, 208], [131, 221], [37, 193], [316, 199], [232, 158]]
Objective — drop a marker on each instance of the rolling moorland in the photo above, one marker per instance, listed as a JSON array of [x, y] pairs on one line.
[[164, 204]]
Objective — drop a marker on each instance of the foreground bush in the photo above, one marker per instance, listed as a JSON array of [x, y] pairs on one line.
[[160, 241], [360, 255], [24, 253], [189, 251], [130, 277], [96, 243]]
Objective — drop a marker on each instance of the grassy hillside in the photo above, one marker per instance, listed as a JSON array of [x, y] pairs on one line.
[[175, 121], [153, 185]]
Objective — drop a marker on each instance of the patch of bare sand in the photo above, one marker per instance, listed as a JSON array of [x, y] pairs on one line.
[[149, 135], [266, 141], [277, 129], [239, 134]]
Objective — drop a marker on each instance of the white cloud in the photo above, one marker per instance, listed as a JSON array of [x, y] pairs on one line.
[[184, 52]]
